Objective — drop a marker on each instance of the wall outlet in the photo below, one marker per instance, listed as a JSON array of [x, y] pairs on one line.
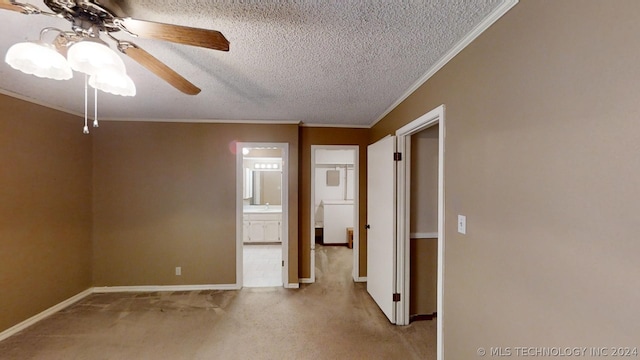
[[462, 224], [178, 270]]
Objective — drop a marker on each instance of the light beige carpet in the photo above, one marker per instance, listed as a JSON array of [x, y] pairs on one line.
[[331, 319]]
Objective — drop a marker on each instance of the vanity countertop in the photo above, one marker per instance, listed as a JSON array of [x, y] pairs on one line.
[[262, 209]]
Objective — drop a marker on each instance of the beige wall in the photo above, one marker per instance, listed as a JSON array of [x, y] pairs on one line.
[[45, 209], [329, 136], [423, 276], [542, 156], [424, 181], [165, 196]]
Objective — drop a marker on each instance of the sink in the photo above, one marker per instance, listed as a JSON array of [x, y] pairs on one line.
[[262, 209]]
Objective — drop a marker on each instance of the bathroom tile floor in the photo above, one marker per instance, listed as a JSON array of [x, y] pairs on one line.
[[262, 265]]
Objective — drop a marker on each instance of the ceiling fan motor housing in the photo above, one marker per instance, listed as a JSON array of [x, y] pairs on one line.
[[87, 18]]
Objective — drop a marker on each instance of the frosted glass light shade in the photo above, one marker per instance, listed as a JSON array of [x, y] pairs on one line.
[[92, 55], [113, 81], [39, 59]]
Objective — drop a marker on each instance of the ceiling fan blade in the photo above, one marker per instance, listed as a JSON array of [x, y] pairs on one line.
[[211, 39], [27, 9], [159, 68], [10, 5]]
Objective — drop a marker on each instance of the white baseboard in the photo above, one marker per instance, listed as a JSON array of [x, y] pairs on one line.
[[109, 289], [292, 286], [360, 279], [152, 288], [305, 281], [50, 311]]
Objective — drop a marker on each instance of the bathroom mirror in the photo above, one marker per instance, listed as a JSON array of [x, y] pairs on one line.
[[266, 188], [262, 176]]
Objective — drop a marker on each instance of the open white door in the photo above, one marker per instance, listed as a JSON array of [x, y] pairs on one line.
[[381, 224]]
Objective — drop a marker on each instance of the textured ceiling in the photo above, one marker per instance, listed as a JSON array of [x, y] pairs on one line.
[[319, 62]]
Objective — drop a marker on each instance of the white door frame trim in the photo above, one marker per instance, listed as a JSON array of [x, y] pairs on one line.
[[433, 117], [285, 208], [356, 212]]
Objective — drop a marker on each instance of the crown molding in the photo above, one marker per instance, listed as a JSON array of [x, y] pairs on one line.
[[455, 50], [336, 126], [37, 102], [209, 121]]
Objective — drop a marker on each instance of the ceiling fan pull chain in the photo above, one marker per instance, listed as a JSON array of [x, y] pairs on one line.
[[95, 107], [86, 128]]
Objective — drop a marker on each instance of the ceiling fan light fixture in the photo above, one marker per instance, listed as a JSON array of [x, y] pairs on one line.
[[91, 55], [113, 81], [39, 59]]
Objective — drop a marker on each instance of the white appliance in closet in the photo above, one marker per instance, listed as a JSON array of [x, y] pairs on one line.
[[338, 216]]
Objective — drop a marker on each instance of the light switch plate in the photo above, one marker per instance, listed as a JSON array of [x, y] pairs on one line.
[[178, 270], [462, 224]]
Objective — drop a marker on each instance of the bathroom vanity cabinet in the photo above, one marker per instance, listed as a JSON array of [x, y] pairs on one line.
[[260, 227]]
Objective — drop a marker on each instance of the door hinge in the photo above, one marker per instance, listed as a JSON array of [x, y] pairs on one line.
[[396, 297], [282, 263], [397, 156]]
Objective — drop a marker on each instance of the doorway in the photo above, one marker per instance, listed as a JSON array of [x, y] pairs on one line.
[[262, 214], [435, 117], [423, 224], [397, 197], [334, 202]]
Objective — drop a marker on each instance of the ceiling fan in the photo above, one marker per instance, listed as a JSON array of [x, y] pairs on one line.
[[90, 18]]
